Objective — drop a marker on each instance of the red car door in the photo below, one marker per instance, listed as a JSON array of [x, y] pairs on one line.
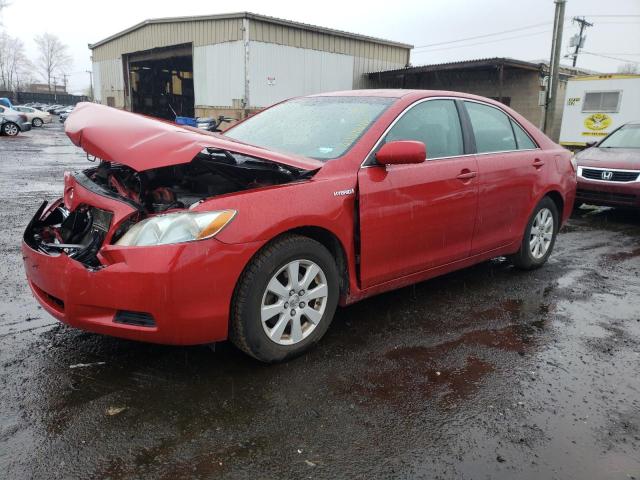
[[509, 168], [416, 217]]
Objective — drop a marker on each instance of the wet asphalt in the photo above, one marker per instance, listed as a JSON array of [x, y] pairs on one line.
[[489, 372]]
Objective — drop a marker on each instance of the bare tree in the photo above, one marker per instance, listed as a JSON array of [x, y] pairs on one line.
[[3, 4], [14, 65], [53, 57], [629, 68]]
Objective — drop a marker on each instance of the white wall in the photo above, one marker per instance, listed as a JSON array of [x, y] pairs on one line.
[[218, 74], [574, 130], [277, 72], [108, 81]]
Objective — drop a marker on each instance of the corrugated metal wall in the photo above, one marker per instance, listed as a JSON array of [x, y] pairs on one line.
[[109, 81], [277, 72], [202, 32], [276, 51], [296, 37], [218, 74], [364, 65]]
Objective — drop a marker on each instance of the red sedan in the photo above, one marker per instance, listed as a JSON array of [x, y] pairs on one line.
[[181, 237]]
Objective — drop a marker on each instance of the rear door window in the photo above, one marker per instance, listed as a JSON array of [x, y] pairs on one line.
[[491, 128], [523, 140]]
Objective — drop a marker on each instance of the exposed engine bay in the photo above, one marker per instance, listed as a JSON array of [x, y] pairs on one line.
[[81, 233], [211, 173]]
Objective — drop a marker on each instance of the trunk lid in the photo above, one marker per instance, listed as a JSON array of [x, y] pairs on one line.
[[143, 143]]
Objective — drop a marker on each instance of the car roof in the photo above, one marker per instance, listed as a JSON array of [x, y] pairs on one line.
[[412, 94]]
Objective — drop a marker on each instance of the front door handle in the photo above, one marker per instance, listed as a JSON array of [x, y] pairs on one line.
[[466, 175], [538, 163]]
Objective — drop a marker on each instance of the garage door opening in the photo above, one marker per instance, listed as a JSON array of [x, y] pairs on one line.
[[161, 82]]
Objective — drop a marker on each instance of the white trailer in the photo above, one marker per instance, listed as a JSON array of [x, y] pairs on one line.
[[595, 105]]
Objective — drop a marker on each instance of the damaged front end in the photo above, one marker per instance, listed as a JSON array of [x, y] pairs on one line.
[[78, 234], [160, 203]]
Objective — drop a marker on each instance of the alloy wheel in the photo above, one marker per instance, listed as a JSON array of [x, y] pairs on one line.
[[541, 233], [294, 302], [11, 129]]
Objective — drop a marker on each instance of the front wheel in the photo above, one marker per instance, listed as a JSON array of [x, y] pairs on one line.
[[539, 236], [10, 129], [37, 122], [285, 299]]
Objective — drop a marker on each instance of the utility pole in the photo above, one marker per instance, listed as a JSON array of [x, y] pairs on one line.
[[580, 41], [90, 82], [554, 66], [64, 81]]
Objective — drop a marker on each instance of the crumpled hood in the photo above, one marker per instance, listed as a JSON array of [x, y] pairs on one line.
[[622, 158], [142, 143]]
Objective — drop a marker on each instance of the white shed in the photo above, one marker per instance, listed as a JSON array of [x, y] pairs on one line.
[[231, 64]]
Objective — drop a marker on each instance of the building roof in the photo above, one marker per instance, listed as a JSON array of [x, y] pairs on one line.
[[481, 63], [253, 16]]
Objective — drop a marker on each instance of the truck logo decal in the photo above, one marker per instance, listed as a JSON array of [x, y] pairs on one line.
[[597, 121], [342, 193]]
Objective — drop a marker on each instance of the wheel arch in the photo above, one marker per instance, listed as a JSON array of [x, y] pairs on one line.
[[332, 243], [326, 238], [558, 200]]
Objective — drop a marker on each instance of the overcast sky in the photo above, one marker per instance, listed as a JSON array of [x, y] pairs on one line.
[[418, 22]]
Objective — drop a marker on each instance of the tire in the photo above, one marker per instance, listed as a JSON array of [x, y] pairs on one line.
[[37, 122], [529, 256], [274, 338], [10, 129]]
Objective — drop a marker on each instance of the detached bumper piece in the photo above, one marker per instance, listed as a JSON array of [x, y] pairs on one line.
[[78, 234]]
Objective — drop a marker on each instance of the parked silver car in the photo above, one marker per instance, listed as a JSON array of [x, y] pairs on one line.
[[13, 122]]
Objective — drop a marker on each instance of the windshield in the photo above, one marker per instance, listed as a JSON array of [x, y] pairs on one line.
[[318, 127], [625, 137]]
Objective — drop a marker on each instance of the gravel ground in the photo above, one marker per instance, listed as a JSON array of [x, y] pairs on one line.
[[485, 373]]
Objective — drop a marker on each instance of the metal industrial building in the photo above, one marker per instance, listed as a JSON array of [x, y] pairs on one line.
[[516, 83], [231, 64]]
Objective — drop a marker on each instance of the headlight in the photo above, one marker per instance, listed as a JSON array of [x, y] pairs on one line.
[[176, 228]]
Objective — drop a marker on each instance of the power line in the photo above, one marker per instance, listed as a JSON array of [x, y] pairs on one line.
[[618, 53], [621, 15], [482, 36], [611, 58], [486, 42]]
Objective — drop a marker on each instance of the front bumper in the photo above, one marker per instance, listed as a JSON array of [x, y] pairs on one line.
[[187, 289], [25, 127], [611, 194]]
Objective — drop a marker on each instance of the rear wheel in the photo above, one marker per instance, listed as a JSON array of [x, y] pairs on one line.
[[285, 299], [37, 122], [10, 129], [539, 236]]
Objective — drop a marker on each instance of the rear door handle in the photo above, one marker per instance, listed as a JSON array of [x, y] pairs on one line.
[[466, 175], [538, 163]]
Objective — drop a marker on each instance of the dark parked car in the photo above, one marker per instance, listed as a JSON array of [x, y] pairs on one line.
[[62, 116], [52, 108], [609, 172]]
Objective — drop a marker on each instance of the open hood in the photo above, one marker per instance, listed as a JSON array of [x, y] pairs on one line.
[[143, 143]]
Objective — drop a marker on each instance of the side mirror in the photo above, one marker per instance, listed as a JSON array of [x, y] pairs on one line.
[[401, 152]]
